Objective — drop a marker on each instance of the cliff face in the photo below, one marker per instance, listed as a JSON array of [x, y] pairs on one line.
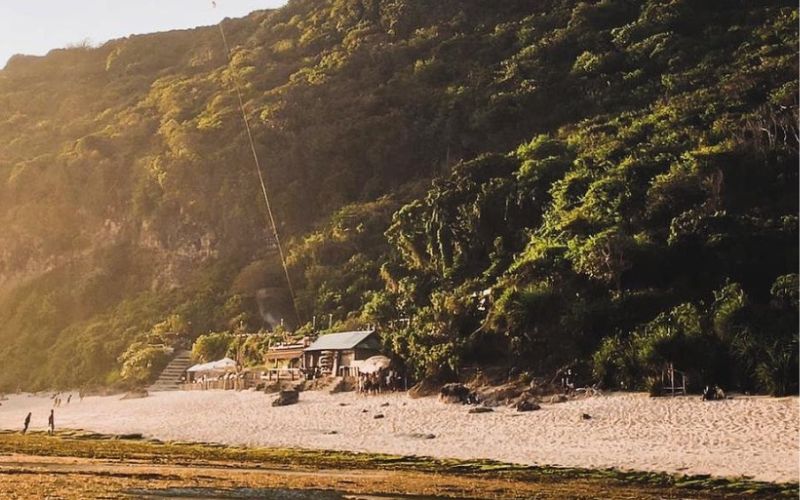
[[73, 145], [128, 193], [93, 250], [125, 177]]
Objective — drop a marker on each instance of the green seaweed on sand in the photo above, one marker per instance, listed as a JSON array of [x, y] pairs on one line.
[[72, 443]]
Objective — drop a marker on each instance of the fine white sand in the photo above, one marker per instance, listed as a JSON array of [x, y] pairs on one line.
[[744, 436]]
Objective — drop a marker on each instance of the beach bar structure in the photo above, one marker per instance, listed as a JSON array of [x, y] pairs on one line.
[[285, 361], [219, 374], [341, 354], [213, 368]]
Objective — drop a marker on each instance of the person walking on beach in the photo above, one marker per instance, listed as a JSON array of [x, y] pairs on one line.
[[69, 398], [51, 423], [27, 423]]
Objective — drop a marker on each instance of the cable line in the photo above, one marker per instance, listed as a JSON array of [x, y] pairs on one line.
[[271, 217]]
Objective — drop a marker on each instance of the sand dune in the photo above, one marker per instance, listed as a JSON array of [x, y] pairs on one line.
[[747, 436]]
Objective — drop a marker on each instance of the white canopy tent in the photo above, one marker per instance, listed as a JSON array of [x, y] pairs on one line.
[[374, 364], [223, 365]]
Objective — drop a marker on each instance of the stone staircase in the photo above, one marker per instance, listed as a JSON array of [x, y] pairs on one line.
[[170, 377]]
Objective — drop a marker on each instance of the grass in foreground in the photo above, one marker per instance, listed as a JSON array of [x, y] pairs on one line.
[[569, 482]]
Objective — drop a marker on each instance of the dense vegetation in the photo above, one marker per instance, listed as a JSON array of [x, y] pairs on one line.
[[607, 185]]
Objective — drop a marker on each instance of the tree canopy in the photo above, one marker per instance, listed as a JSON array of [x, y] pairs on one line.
[[610, 184]]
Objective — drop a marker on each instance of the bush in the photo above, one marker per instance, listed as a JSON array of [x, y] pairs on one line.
[[249, 350], [211, 346], [777, 370], [615, 365], [681, 337], [654, 387], [767, 344], [141, 363]]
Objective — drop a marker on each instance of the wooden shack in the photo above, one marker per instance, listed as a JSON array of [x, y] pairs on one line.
[[340, 354], [285, 360]]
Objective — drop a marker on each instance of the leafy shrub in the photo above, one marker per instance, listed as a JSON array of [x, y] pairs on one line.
[[141, 363], [653, 386], [212, 346]]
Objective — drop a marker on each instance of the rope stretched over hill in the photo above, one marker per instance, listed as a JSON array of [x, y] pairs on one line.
[[271, 217]]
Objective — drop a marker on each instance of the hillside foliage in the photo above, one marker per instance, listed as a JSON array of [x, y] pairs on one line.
[[608, 185]]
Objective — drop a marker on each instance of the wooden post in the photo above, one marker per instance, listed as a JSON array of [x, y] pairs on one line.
[[672, 379]]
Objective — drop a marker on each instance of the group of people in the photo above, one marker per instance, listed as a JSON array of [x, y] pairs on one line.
[[379, 381], [57, 398], [51, 423], [713, 393], [51, 420], [311, 373]]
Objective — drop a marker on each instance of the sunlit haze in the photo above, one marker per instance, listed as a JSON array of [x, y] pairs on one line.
[[37, 26]]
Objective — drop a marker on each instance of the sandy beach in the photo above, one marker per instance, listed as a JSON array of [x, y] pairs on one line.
[[755, 437]]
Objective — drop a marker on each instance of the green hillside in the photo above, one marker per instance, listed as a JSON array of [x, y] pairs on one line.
[[608, 185]]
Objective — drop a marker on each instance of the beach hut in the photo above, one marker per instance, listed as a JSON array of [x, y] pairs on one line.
[[219, 374], [285, 360], [341, 353]]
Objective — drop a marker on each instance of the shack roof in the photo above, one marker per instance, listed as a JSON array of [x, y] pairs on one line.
[[284, 352], [345, 340]]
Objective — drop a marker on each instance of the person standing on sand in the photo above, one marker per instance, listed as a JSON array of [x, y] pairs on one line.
[[27, 423], [69, 398], [51, 423]]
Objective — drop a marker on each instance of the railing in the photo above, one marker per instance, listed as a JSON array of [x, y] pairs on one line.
[[348, 371], [226, 384], [282, 374], [669, 382]]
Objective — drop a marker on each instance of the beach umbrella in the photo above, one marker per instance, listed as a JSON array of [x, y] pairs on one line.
[[198, 367], [374, 364], [222, 365]]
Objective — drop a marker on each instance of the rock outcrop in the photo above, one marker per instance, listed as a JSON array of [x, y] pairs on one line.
[[287, 397], [457, 393]]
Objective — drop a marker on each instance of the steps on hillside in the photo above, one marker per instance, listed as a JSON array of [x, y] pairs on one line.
[[170, 377]]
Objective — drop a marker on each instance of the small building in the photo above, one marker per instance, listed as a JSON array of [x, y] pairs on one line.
[[285, 356], [285, 360], [341, 353]]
